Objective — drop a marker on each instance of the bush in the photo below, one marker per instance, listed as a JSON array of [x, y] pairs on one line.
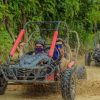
[[5, 45]]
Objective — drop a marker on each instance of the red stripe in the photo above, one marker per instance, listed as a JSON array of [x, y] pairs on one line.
[[53, 44], [20, 36]]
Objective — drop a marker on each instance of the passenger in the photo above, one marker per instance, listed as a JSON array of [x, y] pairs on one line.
[[61, 47]]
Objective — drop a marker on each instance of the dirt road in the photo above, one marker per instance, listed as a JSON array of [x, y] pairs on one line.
[[90, 89], [87, 90]]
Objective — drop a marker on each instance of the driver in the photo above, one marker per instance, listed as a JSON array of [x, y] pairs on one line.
[[39, 46]]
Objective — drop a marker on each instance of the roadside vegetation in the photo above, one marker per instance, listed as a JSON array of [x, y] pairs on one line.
[[80, 15]]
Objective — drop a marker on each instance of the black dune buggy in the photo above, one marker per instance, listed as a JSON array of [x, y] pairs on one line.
[[42, 68], [94, 55]]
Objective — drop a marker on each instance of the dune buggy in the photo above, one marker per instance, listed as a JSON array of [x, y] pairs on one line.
[[94, 55], [42, 68]]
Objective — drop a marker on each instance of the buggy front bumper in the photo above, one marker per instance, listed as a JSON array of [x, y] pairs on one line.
[[31, 75]]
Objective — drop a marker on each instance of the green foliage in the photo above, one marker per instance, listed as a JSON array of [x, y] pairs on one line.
[[80, 15], [94, 13], [5, 45]]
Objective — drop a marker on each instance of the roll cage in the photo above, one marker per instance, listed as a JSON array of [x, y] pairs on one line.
[[45, 29]]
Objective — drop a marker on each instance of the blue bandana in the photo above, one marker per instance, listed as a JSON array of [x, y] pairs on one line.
[[59, 46]]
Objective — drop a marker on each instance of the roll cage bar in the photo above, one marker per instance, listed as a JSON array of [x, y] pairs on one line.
[[57, 27], [46, 23]]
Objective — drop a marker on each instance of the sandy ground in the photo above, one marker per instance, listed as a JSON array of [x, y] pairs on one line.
[[87, 90]]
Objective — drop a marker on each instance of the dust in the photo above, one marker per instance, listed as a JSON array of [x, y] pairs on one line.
[[88, 87]]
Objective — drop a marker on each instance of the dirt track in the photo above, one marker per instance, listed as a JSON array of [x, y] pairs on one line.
[[90, 89], [87, 90]]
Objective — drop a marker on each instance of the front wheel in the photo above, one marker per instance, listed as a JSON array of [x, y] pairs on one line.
[[68, 84], [3, 85]]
